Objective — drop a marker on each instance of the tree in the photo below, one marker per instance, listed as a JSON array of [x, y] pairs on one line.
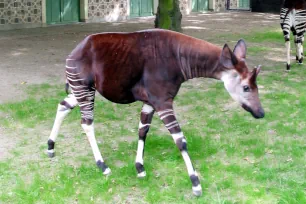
[[168, 15]]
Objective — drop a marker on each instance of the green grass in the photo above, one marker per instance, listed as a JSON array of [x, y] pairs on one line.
[[258, 50], [239, 159], [271, 36]]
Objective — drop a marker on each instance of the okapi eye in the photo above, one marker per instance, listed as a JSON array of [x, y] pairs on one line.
[[246, 88]]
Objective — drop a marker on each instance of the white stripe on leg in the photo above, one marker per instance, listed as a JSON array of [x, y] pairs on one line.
[[139, 156], [142, 125], [299, 50], [62, 112], [89, 130], [188, 163], [288, 51], [147, 108], [176, 136]]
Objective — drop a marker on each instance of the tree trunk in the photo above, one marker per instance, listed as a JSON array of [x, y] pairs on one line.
[[168, 15]]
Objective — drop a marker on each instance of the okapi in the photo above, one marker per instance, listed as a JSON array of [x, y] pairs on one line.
[[293, 17], [150, 66]]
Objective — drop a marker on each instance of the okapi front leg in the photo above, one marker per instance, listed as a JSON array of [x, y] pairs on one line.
[[147, 113], [63, 109], [168, 117]]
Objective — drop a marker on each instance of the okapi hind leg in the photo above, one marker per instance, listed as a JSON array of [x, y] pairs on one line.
[[168, 117], [147, 113], [85, 97], [63, 109], [89, 130]]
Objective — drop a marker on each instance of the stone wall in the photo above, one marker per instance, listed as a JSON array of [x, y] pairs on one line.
[[220, 5], [20, 12], [234, 4], [108, 10], [185, 6]]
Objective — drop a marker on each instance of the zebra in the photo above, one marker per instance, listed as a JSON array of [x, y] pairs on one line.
[[293, 17]]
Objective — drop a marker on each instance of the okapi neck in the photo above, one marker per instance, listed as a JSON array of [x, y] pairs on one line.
[[200, 61]]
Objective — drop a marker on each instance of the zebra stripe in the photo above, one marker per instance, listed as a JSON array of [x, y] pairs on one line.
[[295, 20]]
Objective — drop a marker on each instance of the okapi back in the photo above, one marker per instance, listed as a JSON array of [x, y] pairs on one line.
[[129, 66]]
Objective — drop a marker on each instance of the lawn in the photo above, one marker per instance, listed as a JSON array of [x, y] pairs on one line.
[[239, 159]]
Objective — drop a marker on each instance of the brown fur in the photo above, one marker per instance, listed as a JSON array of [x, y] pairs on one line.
[[149, 65]]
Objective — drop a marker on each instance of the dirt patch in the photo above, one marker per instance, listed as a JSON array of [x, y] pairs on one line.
[[119, 163], [128, 139], [7, 144]]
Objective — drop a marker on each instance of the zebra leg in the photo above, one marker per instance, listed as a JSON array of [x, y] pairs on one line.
[[288, 53], [302, 47], [168, 117], [301, 54], [296, 47], [147, 113], [298, 42], [286, 25], [63, 109], [85, 97]]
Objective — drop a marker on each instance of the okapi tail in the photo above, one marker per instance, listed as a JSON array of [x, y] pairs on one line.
[[67, 87]]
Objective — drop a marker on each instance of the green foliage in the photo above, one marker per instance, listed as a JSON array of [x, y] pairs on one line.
[[168, 15]]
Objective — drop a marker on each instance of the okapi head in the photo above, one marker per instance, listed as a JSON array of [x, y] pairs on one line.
[[239, 81]]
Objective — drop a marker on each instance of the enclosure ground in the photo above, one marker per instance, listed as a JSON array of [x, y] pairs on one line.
[[238, 159]]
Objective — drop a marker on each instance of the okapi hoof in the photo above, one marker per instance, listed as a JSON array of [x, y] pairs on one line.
[[107, 172], [51, 153], [104, 168], [197, 190], [140, 169], [300, 61], [50, 150], [288, 67], [142, 174]]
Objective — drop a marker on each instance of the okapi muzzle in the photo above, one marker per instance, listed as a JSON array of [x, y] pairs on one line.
[[251, 102]]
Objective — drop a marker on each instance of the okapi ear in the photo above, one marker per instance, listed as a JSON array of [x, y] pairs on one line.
[[255, 73], [240, 49], [228, 59]]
